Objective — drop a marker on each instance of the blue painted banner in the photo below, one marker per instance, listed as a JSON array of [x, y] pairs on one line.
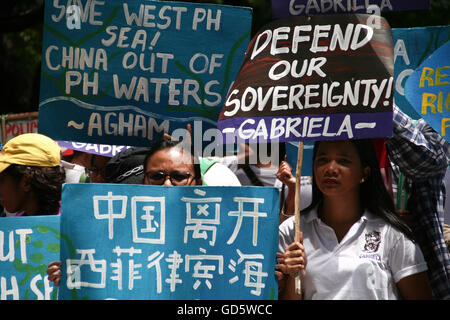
[[325, 77], [124, 72], [286, 8], [428, 90], [153, 242], [27, 246], [412, 47]]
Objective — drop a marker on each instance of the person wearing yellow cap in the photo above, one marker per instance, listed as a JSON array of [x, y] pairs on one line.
[[30, 175]]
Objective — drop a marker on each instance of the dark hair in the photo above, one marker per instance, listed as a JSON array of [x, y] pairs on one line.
[[127, 166], [373, 194], [46, 184], [274, 151], [169, 144]]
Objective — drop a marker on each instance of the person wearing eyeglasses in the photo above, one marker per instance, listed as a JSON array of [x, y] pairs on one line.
[[166, 163], [169, 164]]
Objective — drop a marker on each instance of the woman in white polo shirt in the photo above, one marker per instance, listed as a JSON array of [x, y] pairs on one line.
[[354, 245]]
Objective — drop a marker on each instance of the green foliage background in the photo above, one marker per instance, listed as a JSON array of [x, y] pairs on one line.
[[21, 42]]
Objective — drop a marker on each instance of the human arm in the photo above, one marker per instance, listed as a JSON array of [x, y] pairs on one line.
[[284, 174], [415, 287], [408, 267], [418, 150]]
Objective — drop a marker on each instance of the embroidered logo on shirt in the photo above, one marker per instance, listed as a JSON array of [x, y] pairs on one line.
[[373, 240]]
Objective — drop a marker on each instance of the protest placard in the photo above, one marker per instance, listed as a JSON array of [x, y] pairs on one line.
[[27, 246], [286, 8], [124, 72], [428, 90], [154, 242], [411, 47], [13, 125], [99, 149], [322, 77], [291, 157]]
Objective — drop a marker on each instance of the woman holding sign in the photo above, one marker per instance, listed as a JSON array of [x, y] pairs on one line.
[[355, 244]]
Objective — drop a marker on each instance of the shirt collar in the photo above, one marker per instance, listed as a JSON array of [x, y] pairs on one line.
[[313, 215]]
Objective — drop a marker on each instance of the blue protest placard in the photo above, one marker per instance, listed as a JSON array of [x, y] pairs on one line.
[[292, 154], [154, 242], [428, 90], [124, 72], [27, 246], [286, 8], [411, 47]]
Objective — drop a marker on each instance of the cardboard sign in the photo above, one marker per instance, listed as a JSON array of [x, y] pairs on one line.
[[318, 78], [412, 47], [428, 90], [286, 8], [153, 242], [15, 124], [27, 246], [124, 72], [18, 127]]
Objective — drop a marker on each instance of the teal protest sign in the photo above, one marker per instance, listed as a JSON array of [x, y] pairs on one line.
[[27, 246], [124, 72], [292, 155], [154, 242], [428, 90], [412, 47]]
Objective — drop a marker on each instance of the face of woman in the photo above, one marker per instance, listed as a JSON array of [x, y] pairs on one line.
[[170, 167], [337, 168], [12, 193], [98, 168]]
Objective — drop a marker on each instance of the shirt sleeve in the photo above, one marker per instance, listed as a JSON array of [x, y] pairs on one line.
[[405, 258], [231, 162], [220, 175], [286, 234], [418, 150]]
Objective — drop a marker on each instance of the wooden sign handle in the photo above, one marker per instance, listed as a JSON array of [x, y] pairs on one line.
[[298, 174]]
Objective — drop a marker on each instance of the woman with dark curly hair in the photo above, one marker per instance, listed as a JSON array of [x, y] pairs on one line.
[[30, 175]]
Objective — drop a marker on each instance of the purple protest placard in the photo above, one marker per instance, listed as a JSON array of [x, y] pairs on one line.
[[286, 8], [99, 149]]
